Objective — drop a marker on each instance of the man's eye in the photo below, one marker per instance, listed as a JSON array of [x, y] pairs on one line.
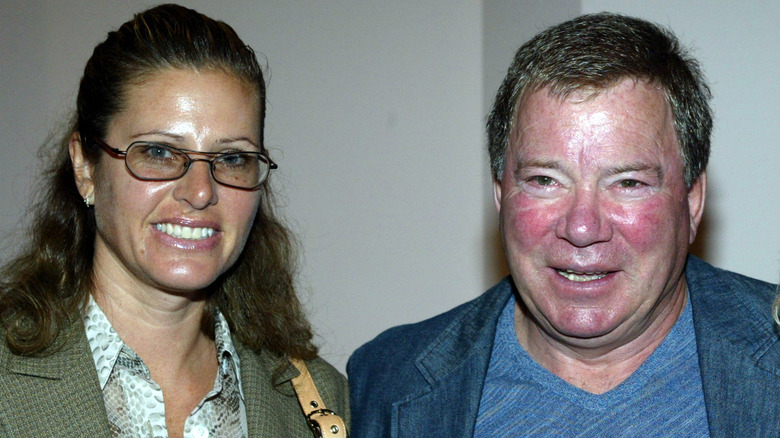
[[542, 180], [629, 183]]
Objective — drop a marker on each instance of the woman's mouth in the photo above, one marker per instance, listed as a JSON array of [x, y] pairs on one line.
[[185, 232]]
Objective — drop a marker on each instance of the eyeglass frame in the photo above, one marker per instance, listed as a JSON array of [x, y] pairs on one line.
[[186, 152]]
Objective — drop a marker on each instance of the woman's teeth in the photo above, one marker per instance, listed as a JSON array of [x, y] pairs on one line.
[[184, 232], [581, 276]]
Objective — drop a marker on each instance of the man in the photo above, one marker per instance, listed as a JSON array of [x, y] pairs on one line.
[[599, 140]]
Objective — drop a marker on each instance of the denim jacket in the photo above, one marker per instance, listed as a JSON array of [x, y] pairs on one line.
[[425, 379]]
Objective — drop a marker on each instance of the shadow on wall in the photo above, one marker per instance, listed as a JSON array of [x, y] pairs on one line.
[[700, 247], [494, 262]]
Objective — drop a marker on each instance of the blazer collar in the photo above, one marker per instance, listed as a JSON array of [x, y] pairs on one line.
[[731, 316], [467, 338], [47, 385], [59, 360]]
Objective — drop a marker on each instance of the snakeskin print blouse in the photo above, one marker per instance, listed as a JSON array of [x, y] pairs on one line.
[[134, 402]]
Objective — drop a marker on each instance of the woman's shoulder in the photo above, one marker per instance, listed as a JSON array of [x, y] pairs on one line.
[[326, 377], [262, 369], [332, 386], [323, 370]]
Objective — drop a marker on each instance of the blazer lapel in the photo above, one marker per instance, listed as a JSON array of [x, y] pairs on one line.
[[736, 384], [251, 384], [269, 409]]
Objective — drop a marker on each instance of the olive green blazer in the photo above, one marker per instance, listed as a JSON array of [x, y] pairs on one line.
[[59, 395]]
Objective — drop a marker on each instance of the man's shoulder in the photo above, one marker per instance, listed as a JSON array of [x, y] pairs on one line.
[[406, 342], [405, 362], [738, 349], [732, 315], [712, 287]]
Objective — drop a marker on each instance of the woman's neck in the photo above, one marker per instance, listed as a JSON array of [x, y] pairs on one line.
[[157, 325]]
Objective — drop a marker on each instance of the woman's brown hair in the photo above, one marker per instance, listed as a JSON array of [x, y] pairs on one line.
[[44, 288]]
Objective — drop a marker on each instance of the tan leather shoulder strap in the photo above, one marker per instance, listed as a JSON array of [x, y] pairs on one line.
[[323, 422]]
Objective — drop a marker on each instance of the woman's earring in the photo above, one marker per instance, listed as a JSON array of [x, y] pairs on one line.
[[88, 200]]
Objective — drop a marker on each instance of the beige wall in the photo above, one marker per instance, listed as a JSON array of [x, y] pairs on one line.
[[375, 115]]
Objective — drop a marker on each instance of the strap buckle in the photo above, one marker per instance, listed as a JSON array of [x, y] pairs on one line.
[[314, 419]]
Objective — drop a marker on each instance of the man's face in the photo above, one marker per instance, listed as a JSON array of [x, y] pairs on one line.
[[595, 215]]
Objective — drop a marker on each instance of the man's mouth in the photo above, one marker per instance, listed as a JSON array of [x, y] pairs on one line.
[[185, 232], [572, 275]]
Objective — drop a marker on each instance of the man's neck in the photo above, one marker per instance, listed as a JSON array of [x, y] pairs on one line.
[[596, 365]]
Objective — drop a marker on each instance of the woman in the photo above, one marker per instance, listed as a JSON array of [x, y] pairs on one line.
[[155, 296]]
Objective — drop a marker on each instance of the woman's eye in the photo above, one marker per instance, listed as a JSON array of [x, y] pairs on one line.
[[156, 152], [159, 152], [233, 160]]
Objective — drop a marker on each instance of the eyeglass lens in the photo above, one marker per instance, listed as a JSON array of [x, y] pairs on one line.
[[160, 162]]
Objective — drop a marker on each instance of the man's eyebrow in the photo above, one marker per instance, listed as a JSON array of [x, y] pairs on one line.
[[637, 167], [535, 163]]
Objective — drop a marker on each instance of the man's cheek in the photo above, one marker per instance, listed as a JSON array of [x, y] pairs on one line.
[[527, 222], [643, 225]]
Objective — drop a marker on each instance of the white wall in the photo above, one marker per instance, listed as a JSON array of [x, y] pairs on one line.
[[375, 115], [737, 44]]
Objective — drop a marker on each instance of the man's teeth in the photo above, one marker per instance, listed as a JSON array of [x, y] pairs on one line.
[[184, 232], [581, 276]]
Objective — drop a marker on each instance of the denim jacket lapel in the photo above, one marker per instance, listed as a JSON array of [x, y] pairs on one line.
[[454, 366]]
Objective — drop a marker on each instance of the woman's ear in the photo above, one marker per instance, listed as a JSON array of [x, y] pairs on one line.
[[82, 168]]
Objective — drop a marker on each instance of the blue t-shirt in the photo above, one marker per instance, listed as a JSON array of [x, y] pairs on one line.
[[662, 398]]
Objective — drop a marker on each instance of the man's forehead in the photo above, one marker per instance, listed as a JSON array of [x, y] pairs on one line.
[[585, 91], [619, 102], [632, 119]]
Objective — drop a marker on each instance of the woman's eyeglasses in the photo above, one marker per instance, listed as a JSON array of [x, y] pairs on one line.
[[149, 161]]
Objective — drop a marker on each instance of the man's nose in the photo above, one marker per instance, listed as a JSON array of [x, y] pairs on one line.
[[584, 221]]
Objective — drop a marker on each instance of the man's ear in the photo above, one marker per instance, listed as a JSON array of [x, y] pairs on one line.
[[497, 193], [82, 168], [696, 196]]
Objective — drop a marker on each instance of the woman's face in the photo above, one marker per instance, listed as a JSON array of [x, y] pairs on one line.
[[142, 225]]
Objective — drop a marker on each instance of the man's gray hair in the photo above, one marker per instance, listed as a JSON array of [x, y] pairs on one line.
[[595, 52]]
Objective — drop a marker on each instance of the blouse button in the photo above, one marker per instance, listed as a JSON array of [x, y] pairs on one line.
[[200, 431]]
